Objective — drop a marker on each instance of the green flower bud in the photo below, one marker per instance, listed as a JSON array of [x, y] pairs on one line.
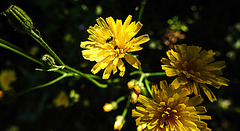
[[19, 19], [47, 60]]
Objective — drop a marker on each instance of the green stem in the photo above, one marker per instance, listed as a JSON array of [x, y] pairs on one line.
[[86, 76], [155, 74], [46, 84], [143, 3], [19, 51], [45, 45], [126, 108], [120, 99], [148, 86]]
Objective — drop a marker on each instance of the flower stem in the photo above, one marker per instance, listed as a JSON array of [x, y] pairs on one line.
[[10, 46], [155, 74], [120, 99], [87, 76], [46, 84], [126, 108], [148, 86], [45, 45], [143, 3]]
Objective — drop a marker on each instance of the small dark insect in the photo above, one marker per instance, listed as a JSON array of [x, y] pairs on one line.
[[116, 47], [163, 124], [109, 39]]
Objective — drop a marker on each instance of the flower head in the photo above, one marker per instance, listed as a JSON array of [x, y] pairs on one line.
[[195, 69], [171, 110], [111, 41]]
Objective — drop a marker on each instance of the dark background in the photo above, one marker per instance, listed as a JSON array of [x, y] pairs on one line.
[[213, 25]]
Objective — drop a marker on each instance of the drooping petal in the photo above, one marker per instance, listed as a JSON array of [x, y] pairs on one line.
[[132, 61], [108, 71], [121, 67], [208, 93]]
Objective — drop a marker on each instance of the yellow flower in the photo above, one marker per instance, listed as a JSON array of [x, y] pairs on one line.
[[171, 110], [6, 78], [111, 41], [195, 69]]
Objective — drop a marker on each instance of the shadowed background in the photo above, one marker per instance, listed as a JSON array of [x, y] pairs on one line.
[[213, 25]]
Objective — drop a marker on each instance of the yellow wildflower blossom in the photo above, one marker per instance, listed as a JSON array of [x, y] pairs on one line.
[[6, 78], [111, 41], [195, 69], [171, 110]]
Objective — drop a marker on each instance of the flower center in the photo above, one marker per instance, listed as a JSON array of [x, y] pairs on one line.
[[167, 114]]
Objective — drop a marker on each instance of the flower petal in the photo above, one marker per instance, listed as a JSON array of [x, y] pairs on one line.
[[112, 25], [208, 92], [108, 71], [101, 22], [121, 67], [141, 39], [127, 22], [132, 61]]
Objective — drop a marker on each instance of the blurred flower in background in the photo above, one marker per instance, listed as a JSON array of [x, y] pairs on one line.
[[7, 77], [61, 100]]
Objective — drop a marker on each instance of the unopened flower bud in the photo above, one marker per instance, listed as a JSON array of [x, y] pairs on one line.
[[119, 123], [110, 106], [130, 84], [137, 89], [141, 127], [134, 97], [47, 60], [19, 19]]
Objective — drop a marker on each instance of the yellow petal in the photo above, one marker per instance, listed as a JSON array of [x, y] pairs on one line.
[[96, 68], [141, 39], [112, 25], [108, 71], [196, 100], [101, 22], [205, 117], [208, 92], [121, 67], [165, 61], [170, 70], [176, 83], [200, 109], [218, 65], [132, 61], [127, 22], [120, 33]]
